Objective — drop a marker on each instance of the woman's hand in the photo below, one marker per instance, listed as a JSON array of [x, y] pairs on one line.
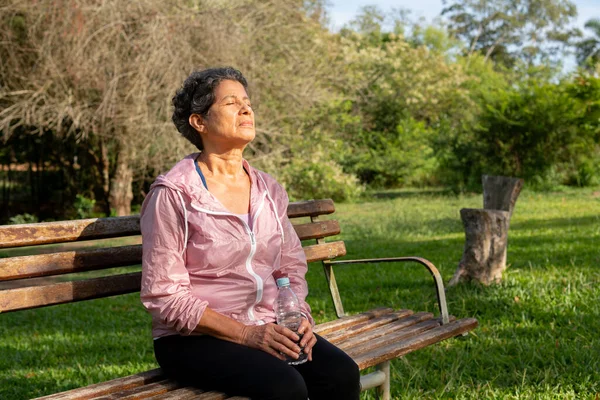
[[309, 339], [273, 339]]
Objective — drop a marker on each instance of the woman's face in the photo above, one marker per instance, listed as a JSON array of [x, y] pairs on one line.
[[230, 120]]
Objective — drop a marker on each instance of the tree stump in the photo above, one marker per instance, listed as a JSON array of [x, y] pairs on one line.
[[501, 192], [486, 231], [486, 237]]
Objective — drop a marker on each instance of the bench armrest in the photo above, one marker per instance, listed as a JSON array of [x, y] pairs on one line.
[[439, 283]]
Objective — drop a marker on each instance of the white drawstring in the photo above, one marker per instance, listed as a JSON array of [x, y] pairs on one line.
[[185, 219], [274, 209]]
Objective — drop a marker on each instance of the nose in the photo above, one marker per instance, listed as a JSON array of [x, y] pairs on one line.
[[246, 109]]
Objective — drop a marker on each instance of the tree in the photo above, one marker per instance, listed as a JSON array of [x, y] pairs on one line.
[[105, 73], [588, 49], [402, 92], [507, 30]]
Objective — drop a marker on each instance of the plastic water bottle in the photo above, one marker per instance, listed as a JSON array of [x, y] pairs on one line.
[[288, 314]]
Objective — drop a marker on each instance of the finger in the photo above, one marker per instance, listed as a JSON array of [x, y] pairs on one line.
[[310, 354], [282, 330], [306, 338], [310, 344], [274, 353], [287, 343], [281, 348], [304, 325]]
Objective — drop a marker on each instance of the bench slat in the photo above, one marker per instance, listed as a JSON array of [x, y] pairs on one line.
[[371, 324], [64, 292], [69, 262], [189, 393], [344, 322], [86, 260], [68, 231], [101, 228], [142, 392], [393, 337], [99, 389], [310, 208], [406, 346], [317, 230], [384, 330], [325, 251], [65, 262]]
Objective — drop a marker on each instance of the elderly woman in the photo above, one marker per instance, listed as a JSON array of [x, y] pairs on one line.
[[216, 237]]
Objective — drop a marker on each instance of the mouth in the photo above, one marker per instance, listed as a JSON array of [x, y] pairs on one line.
[[247, 124]]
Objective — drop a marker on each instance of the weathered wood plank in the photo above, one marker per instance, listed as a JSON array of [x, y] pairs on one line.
[[393, 337], [384, 330], [317, 230], [325, 251], [142, 392], [108, 387], [68, 262], [100, 228], [310, 208], [68, 231], [190, 393], [356, 329], [344, 322], [402, 347], [390, 336], [65, 292]]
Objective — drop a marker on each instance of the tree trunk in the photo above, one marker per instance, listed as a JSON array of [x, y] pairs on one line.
[[121, 193], [104, 162], [486, 231], [501, 192], [486, 238]]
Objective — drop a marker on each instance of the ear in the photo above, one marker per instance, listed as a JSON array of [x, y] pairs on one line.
[[197, 122]]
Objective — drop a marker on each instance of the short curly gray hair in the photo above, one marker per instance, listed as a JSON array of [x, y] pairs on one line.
[[197, 95]]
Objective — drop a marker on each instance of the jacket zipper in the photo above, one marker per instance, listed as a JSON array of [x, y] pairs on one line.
[[257, 278]]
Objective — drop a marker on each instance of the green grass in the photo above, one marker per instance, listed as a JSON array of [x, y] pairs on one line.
[[538, 334]]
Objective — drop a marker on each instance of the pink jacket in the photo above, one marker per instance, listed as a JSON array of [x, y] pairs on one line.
[[196, 254]]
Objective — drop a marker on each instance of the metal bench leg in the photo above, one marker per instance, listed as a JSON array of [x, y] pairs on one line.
[[383, 391]]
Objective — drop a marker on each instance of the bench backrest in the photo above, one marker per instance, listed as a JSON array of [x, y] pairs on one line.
[[28, 291]]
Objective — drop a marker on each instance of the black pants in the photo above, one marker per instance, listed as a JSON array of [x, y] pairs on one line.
[[213, 364]]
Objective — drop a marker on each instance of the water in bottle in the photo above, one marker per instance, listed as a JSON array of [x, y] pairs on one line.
[[288, 314]]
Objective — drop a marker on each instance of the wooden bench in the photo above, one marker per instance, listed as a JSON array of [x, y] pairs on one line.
[[372, 338]]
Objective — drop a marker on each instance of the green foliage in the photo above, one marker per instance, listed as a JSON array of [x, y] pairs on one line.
[[543, 132], [84, 207], [394, 158], [319, 179], [22, 219]]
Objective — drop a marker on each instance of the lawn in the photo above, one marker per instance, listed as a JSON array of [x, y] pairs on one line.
[[538, 334]]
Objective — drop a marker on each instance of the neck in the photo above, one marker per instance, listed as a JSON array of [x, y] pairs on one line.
[[227, 164]]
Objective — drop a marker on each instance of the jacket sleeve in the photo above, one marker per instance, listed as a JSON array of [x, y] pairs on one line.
[[165, 290], [293, 260]]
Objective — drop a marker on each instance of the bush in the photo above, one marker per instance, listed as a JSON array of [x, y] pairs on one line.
[[400, 157], [22, 219], [84, 207], [319, 179]]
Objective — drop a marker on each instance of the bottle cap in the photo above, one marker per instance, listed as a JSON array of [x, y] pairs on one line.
[[281, 282]]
